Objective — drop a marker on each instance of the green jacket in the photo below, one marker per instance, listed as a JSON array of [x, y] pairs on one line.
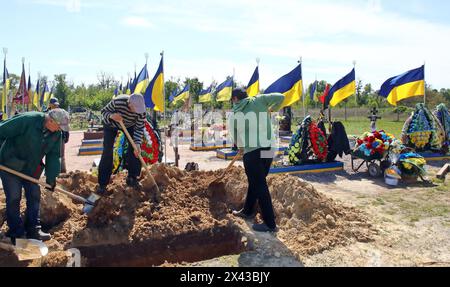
[[24, 144], [258, 134]]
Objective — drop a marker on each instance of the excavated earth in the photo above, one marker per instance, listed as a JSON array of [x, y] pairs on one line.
[[191, 223]]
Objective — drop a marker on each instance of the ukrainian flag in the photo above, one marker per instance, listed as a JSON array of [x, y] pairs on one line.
[[173, 95], [128, 87], [205, 96], [6, 84], [36, 96], [30, 94], [182, 96], [343, 89], [141, 82], [253, 85], [154, 95], [225, 90], [45, 97], [290, 85], [408, 85]]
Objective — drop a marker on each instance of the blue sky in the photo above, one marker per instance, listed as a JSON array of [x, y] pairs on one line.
[[210, 39]]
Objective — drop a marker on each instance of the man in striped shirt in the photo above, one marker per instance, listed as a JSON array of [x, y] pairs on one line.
[[130, 110]]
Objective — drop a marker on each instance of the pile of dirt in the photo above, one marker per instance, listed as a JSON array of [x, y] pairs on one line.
[[309, 222]]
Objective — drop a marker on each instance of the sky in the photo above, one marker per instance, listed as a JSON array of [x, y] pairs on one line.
[[212, 39]]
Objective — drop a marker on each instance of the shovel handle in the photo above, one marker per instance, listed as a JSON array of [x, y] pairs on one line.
[[130, 139], [231, 164], [43, 184]]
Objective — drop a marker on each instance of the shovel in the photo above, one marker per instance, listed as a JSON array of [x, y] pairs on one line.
[[26, 249], [217, 185], [88, 203], [151, 181]]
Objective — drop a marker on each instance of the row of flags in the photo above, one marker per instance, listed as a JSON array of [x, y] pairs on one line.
[[407, 85], [25, 95], [152, 90], [395, 89]]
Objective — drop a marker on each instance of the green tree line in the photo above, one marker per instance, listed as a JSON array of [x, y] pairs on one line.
[[96, 96]]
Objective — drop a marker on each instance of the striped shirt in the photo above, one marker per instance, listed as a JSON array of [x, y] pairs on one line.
[[119, 105]]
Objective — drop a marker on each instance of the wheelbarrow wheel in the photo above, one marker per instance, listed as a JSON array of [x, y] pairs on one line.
[[374, 170]]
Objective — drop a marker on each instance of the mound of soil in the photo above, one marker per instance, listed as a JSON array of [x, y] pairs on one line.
[[309, 222]]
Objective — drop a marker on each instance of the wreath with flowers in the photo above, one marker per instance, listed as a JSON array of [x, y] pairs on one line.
[[318, 142], [443, 116], [150, 144], [308, 144], [424, 132], [150, 148]]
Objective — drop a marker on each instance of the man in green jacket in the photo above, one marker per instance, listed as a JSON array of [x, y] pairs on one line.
[[252, 132], [24, 141]]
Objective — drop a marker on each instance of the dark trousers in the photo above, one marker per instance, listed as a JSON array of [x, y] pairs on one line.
[[257, 168], [12, 186], [106, 163]]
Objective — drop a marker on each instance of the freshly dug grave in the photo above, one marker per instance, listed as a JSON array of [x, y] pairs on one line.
[[190, 223]]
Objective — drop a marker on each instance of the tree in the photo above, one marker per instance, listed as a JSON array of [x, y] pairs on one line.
[[195, 88], [106, 80], [62, 90], [361, 98], [169, 87]]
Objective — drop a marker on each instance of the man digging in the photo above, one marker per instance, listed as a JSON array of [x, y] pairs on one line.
[[254, 137], [24, 141], [54, 104], [130, 110]]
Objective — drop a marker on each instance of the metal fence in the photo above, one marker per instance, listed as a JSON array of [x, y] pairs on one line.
[[353, 114]]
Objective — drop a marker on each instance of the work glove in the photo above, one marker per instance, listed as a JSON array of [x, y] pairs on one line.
[[51, 188]]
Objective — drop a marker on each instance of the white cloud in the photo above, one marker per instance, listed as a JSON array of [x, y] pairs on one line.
[[136, 21]]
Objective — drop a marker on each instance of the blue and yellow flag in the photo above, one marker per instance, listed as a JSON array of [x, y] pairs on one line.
[[128, 87], [205, 96], [312, 92], [225, 90], [253, 85], [6, 84], [173, 95], [154, 95], [343, 89], [45, 96], [141, 81], [408, 85], [36, 96], [182, 96], [290, 85]]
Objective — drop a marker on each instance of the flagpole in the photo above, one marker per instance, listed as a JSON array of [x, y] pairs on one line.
[[5, 97], [38, 106], [425, 86], [29, 84], [303, 94], [23, 92], [164, 96]]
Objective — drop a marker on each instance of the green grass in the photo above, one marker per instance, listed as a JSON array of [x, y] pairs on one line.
[[357, 126]]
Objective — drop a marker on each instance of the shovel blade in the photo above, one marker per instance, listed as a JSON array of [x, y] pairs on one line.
[[30, 249], [90, 203]]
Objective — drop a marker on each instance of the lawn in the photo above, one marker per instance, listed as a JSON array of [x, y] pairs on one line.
[[358, 126]]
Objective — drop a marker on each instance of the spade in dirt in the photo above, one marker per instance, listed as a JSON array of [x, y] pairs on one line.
[[26, 249], [89, 203], [148, 182], [217, 186]]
